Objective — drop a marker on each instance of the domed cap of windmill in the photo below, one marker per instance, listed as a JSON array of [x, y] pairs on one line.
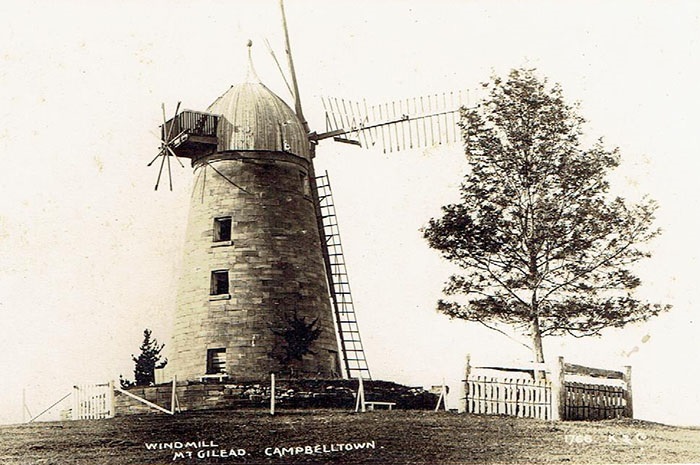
[[253, 118]]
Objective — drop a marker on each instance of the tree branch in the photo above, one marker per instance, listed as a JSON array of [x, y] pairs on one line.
[[505, 334]]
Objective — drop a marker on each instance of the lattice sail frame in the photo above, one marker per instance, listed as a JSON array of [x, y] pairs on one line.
[[406, 124]]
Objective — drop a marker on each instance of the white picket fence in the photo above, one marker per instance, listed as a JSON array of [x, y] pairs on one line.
[[509, 396], [93, 401]]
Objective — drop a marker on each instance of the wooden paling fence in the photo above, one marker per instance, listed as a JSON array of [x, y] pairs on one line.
[[594, 402], [553, 397], [509, 396], [609, 397]]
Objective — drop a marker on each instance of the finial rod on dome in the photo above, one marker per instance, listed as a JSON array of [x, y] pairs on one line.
[[251, 76]]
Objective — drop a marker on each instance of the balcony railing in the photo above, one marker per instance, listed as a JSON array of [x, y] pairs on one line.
[[193, 123]]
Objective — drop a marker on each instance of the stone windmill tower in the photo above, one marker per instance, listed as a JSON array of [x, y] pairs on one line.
[[264, 285], [253, 296]]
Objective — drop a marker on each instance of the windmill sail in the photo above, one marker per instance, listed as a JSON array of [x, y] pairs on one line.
[[417, 122]]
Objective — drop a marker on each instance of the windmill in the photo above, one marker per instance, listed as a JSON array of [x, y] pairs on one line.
[[262, 260]]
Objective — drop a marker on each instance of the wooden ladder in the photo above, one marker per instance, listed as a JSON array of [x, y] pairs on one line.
[[355, 362]]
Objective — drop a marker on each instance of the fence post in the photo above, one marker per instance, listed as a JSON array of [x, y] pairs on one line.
[[558, 391], [360, 402], [112, 404], [443, 397], [75, 404], [627, 378], [272, 393], [464, 402], [173, 396]]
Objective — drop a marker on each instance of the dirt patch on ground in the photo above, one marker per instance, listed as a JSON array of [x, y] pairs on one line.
[[332, 436]]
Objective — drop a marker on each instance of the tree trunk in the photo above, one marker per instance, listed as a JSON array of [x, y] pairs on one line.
[[537, 351]]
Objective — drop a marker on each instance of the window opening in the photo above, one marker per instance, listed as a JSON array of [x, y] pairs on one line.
[[216, 361], [222, 229], [219, 282]]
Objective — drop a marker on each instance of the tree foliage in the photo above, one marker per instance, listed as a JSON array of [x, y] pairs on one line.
[[298, 336], [146, 363], [542, 244]]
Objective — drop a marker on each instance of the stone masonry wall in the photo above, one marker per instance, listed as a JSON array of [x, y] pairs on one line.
[[275, 269]]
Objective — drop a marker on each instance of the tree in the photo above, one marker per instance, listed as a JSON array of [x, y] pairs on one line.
[[146, 363], [298, 336], [542, 244]]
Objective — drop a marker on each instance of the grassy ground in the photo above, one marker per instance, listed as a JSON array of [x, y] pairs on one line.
[[397, 437]]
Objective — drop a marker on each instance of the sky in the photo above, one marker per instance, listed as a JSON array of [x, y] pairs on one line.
[[90, 253]]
